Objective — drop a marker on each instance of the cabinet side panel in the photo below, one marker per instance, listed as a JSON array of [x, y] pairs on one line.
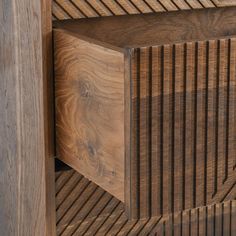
[[90, 110]]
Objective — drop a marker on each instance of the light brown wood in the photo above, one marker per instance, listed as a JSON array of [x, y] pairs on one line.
[[90, 110], [48, 116], [183, 126], [203, 221], [84, 209], [178, 100], [22, 137], [67, 9], [225, 2], [154, 29]]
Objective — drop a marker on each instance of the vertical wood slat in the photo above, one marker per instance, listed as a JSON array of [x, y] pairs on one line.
[[200, 126], [167, 128], [181, 110], [48, 116], [156, 181], [189, 126], [178, 126], [22, 143], [211, 107], [232, 112], [144, 127]]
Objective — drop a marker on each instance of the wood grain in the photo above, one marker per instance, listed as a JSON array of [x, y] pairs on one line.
[[90, 110], [225, 2], [104, 215], [216, 219], [22, 140], [178, 107], [77, 9], [154, 29], [183, 122], [48, 116]]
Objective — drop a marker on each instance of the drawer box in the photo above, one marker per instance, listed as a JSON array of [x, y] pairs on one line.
[[145, 106]]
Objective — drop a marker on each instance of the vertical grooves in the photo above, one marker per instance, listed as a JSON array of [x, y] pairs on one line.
[[195, 125], [222, 218], [206, 121], [150, 132], [214, 220], [233, 95], [154, 69], [190, 225], [173, 128], [206, 221], [230, 218], [198, 225], [227, 113], [181, 223], [168, 100], [161, 129], [178, 88], [184, 123], [217, 118], [138, 133]]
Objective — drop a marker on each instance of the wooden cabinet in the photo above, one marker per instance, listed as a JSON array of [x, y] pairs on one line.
[[145, 106]]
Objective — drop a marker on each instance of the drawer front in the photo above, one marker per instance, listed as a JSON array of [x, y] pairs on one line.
[[183, 126]]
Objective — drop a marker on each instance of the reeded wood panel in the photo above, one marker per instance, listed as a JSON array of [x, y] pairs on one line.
[[183, 126], [66, 9], [212, 220], [85, 209]]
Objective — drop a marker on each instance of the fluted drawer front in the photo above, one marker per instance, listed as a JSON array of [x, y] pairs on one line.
[[183, 126]]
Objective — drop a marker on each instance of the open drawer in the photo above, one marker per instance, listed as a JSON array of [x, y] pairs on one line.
[[145, 106]]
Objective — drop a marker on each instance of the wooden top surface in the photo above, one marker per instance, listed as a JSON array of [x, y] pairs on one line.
[[154, 29]]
